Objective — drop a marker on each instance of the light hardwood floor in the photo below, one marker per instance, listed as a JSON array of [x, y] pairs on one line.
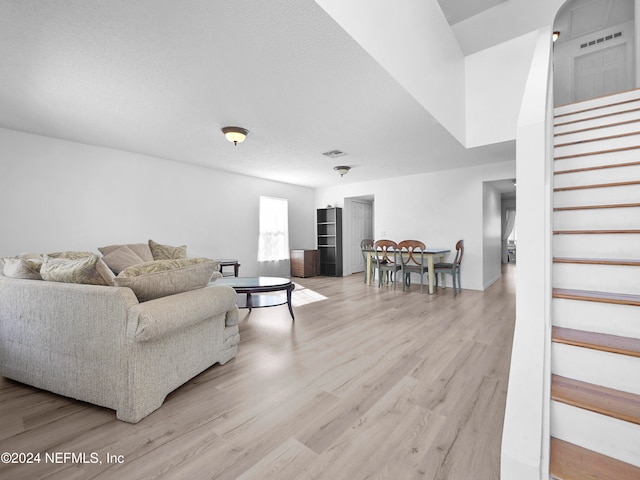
[[369, 383]]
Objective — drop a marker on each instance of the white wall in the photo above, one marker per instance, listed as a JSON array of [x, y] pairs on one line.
[[438, 208], [494, 80], [491, 235], [415, 44], [637, 37], [60, 195]]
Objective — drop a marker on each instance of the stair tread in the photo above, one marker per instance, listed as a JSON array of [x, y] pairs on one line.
[[597, 341], [596, 139], [599, 127], [598, 261], [571, 462], [597, 152], [597, 185], [592, 296], [596, 117], [597, 167], [595, 232], [588, 207], [595, 398], [595, 107]]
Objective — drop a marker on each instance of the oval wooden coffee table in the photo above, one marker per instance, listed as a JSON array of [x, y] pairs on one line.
[[250, 288]]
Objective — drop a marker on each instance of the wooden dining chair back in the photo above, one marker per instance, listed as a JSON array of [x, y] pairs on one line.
[[386, 260], [452, 268], [413, 261], [366, 246]]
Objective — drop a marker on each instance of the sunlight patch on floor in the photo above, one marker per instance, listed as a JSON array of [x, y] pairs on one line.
[[304, 296]]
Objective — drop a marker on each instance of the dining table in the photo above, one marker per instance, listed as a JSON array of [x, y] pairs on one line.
[[432, 256]]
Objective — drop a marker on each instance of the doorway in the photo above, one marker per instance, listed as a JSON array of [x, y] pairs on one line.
[[594, 54], [360, 214], [602, 73]]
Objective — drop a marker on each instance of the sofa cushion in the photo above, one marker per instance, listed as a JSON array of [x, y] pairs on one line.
[[167, 252], [25, 267], [121, 258], [140, 249], [76, 267], [160, 278]]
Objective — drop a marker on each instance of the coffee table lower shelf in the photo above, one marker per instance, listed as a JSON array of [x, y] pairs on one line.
[[257, 292]]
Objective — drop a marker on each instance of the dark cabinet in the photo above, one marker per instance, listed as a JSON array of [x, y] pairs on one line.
[[329, 234]]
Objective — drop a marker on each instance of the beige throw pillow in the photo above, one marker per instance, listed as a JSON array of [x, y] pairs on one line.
[[76, 267], [19, 267], [167, 252], [166, 277], [121, 258], [140, 249]]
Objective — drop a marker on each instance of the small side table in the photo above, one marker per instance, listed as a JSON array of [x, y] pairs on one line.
[[229, 262], [305, 263]]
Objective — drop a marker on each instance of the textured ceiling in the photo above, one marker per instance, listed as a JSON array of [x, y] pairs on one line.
[[162, 77]]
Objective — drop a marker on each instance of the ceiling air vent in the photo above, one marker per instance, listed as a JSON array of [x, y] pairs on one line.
[[334, 153], [600, 40]]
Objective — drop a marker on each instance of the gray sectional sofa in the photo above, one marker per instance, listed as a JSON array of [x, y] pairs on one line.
[[102, 345]]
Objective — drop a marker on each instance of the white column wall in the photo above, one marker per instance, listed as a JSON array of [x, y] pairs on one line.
[[525, 436], [60, 195]]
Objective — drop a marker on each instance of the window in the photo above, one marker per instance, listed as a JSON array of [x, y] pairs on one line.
[[273, 244]]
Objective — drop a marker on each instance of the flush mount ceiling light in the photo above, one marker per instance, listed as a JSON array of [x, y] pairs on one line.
[[555, 36], [235, 134], [342, 169]]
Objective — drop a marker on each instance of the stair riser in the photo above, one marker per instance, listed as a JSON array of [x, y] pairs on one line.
[[582, 111], [595, 122], [597, 246], [613, 279], [609, 436], [611, 370], [621, 320], [598, 102], [597, 177], [597, 196], [613, 158], [605, 218], [604, 131], [597, 146]]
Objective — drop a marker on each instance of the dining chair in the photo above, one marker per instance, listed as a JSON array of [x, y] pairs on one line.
[[366, 245], [413, 261], [452, 269], [386, 260]]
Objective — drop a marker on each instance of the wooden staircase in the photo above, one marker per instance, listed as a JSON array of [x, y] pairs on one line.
[[595, 351]]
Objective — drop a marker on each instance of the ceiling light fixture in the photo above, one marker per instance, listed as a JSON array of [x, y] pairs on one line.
[[235, 134], [555, 36], [342, 169]]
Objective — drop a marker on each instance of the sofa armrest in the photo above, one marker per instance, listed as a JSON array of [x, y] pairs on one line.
[[162, 316]]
